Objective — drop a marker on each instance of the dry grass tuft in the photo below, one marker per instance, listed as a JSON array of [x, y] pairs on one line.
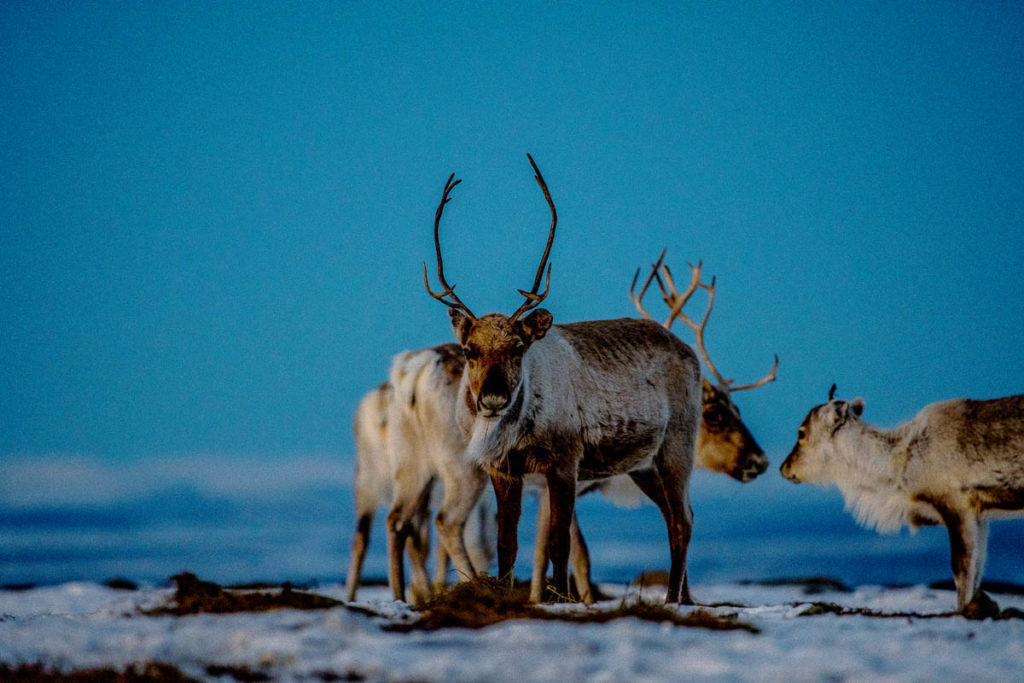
[[486, 601], [194, 596], [152, 672]]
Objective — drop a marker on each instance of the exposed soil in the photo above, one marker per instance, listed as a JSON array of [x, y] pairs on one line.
[[194, 596], [486, 600]]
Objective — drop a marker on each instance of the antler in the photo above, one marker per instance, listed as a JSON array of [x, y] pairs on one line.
[[533, 299], [676, 301], [636, 298], [449, 290]]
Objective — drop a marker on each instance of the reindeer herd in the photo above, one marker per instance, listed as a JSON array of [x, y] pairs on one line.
[[569, 407]]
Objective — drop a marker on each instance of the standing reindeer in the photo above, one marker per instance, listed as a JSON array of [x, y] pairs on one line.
[[574, 402], [418, 443], [958, 463], [724, 444]]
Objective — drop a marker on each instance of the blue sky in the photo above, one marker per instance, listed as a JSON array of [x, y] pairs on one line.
[[213, 215]]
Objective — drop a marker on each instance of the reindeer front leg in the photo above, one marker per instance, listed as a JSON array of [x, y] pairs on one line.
[[578, 555], [460, 496], [508, 492], [967, 538], [562, 503]]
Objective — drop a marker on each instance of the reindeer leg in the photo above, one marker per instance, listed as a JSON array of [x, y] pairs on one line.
[[508, 492], [966, 557], [397, 533], [359, 545], [461, 494], [562, 493], [675, 509], [405, 525], [540, 547], [580, 558], [418, 545], [441, 567]]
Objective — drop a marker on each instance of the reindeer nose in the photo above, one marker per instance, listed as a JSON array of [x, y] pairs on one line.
[[787, 471], [491, 404]]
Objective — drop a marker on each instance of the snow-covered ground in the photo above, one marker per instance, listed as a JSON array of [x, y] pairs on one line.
[[78, 625]]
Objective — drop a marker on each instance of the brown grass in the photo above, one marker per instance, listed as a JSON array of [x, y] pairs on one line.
[[818, 608], [194, 596], [486, 601], [153, 672]]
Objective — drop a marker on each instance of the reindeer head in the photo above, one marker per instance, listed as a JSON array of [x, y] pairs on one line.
[[724, 444], [494, 344], [813, 455]]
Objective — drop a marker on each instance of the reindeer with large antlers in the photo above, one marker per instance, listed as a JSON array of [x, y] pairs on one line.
[[724, 443], [574, 402]]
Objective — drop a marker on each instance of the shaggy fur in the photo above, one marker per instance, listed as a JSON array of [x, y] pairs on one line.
[[959, 463], [406, 439]]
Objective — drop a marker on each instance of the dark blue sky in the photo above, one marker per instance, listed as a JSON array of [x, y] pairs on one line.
[[212, 215]]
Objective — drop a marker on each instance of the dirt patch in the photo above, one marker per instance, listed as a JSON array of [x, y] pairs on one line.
[[486, 601], [819, 608], [194, 596], [153, 672]]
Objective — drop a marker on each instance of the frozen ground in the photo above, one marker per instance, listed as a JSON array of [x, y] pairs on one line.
[[78, 625]]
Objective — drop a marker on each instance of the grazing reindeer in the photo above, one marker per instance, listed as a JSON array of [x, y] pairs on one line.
[[958, 463], [574, 402], [724, 444], [421, 443]]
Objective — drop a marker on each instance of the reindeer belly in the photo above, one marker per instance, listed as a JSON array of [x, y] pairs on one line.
[[626, 447]]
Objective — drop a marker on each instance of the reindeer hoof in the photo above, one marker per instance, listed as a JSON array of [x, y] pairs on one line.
[[981, 607]]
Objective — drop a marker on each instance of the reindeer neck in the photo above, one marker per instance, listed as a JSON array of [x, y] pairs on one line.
[[870, 483]]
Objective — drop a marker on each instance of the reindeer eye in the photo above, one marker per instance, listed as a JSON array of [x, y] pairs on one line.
[[470, 353], [519, 349], [801, 434], [713, 418]]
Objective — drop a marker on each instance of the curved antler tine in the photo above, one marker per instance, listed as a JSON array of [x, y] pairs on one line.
[[831, 392], [449, 290], [637, 298], [676, 301], [538, 297], [770, 377], [533, 299]]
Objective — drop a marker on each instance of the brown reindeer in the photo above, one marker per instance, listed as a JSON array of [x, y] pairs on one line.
[[724, 443], [574, 402]]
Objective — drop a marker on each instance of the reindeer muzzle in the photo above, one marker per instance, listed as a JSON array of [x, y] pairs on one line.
[[787, 470], [753, 466]]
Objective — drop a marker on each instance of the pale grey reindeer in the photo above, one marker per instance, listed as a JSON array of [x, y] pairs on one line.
[[724, 443], [575, 402], [419, 443], [958, 463]]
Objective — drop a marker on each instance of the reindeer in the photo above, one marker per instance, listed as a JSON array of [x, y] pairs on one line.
[[724, 444], [419, 441], [574, 402], [958, 463]]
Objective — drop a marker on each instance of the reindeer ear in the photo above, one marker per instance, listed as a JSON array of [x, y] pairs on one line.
[[460, 324], [857, 407], [535, 325]]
